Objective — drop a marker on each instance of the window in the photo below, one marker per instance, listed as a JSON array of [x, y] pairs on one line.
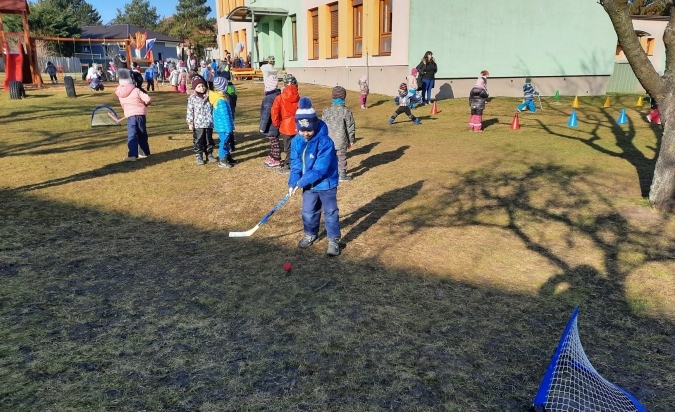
[[314, 17], [226, 6], [294, 34], [385, 27], [647, 44], [334, 22], [357, 24]]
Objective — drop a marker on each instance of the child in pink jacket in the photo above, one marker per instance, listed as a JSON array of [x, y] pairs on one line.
[[134, 102]]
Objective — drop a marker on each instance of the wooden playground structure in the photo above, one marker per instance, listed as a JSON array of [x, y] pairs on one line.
[[11, 62], [23, 66]]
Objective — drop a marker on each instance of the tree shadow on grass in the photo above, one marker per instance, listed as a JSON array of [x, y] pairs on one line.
[[625, 136], [176, 329]]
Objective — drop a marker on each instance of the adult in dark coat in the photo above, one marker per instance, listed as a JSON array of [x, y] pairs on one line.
[[427, 70]]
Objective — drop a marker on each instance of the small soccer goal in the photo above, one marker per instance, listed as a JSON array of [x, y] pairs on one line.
[[104, 116], [571, 384]]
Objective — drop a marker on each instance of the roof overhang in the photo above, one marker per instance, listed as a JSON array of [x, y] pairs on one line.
[[245, 14], [14, 7]]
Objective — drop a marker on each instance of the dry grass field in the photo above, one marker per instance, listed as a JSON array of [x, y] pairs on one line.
[[464, 255]]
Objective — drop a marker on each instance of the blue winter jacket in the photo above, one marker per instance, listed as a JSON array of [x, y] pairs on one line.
[[314, 162], [529, 92], [223, 120]]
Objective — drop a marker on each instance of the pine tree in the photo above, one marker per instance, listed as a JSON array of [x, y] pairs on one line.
[[191, 23], [138, 13]]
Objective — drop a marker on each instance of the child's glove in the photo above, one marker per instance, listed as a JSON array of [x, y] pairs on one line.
[[396, 99]]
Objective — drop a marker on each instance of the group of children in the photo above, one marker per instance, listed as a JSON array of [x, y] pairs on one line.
[[278, 123], [315, 150]]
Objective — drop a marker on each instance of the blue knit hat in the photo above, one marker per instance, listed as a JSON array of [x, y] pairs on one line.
[[305, 116]]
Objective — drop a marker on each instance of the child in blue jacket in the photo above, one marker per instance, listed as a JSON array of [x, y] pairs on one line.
[[314, 168], [528, 96], [223, 121]]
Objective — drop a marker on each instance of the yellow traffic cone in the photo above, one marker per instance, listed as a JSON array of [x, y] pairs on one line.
[[639, 102], [575, 103], [606, 103]]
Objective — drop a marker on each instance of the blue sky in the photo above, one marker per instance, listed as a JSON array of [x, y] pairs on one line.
[[165, 8]]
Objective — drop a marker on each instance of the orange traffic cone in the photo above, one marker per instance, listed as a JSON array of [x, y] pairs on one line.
[[434, 108], [575, 103], [515, 124], [606, 103]]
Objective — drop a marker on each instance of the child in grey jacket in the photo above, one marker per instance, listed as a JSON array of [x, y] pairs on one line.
[[341, 128]]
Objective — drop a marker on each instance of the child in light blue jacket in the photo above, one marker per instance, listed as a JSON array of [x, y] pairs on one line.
[[223, 121]]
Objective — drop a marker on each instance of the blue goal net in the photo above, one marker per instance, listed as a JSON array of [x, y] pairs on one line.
[[571, 384]]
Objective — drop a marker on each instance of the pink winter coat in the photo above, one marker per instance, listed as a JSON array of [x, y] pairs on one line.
[[133, 101]]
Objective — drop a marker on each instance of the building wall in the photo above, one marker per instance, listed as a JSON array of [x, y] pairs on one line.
[[655, 27], [565, 46]]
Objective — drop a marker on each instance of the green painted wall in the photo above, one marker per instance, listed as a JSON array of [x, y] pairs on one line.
[[278, 40], [512, 37]]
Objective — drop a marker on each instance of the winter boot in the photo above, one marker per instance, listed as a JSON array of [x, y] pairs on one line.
[[333, 247], [307, 241], [343, 177], [200, 161], [271, 163], [211, 158], [224, 163]]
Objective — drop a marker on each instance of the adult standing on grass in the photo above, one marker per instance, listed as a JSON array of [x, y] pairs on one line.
[[134, 102], [314, 168], [427, 70]]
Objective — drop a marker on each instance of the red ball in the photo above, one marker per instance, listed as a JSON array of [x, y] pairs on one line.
[[288, 266]]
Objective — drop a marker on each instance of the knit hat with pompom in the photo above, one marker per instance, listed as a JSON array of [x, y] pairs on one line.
[[305, 116]]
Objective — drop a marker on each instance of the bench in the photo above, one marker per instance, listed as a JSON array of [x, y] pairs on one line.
[[241, 74]]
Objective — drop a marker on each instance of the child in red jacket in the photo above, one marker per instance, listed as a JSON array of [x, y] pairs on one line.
[[283, 117]]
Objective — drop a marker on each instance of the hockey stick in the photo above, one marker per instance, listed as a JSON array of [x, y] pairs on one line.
[[112, 116], [262, 221]]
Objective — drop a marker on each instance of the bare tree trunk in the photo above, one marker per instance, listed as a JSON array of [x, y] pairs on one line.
[[662, 88]]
